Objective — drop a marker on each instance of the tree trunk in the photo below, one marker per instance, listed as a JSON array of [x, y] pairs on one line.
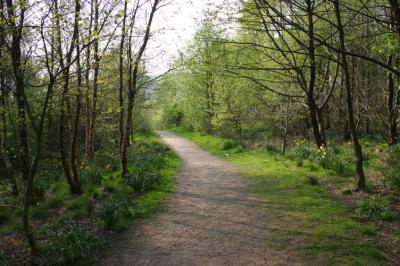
[[319, 140], [16, 57], [121, 76], [90, 149], [74, 156], [133, 87], [67, 168], [392, 111], [349, 100]]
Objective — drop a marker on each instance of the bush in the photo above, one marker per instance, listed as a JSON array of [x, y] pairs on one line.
[[147, 161], [311, 180], [378, 208], [114, 212], [82, 202], [74, 244], [40, 213], [330, 158], [91, 175], [227, 145], [391, 169], [41, 186], [3, 259], [300, 152], [106, 160]]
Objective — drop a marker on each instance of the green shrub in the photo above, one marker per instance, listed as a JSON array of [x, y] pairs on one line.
[[3, 259], [74, 244], [56, 201], [391, 168], [368, 230], [5, 216], [40, 213], [311, 180], [91, 175], [147, 161], [59, 191], [378, 208], [114, 211], [107, 160], [41, 185], [300, 152], [330, 158], [227, 145], [82, 202]]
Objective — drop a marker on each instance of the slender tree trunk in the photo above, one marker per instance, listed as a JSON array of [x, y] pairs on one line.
[[392, 111], [132, 89], [16, 57], [88, 102], [121, 75], [286, 127], [71, 178], [74, 157], [312, 106], [9, 170], [349, 100], [90, 151]]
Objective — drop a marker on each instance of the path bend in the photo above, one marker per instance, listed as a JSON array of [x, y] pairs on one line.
[[211, 219]]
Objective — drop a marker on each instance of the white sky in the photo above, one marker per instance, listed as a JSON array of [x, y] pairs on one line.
[[175, 25]]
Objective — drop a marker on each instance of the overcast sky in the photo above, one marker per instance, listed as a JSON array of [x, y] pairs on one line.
[[175, 25]]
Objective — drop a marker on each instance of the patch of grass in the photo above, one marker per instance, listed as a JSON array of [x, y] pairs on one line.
[[3, 259], [58, 193], [307, 215], [114, 212], [227, 145], [368, 230], [311, 180], [149, 203], [82, 202], [378, 208], [73, 245], [40, 213]]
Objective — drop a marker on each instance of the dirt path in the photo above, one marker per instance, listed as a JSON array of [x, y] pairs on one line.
[[211, 220]]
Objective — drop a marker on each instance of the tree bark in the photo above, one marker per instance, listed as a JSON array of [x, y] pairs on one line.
[[67, 168], [90, 149], [133, 89], [121, 76], [349, 100], [16, 57]]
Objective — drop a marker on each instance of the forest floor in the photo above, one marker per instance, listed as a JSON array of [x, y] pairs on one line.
[[211, 220]]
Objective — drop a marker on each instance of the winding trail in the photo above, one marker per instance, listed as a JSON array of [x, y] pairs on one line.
[[212, 219]]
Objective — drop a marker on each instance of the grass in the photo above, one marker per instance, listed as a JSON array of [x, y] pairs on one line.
[[102, 187], [299, 210]]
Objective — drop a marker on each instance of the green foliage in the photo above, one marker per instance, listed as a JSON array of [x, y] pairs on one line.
[[114, 212], [58, 193], [147, 160], [391, 169], [40, 212], [91, 175], [228, 145], [82, 202], [74, 244], [3, 259], [300, 152], [332, 157], [378, 208], [312, 180]]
